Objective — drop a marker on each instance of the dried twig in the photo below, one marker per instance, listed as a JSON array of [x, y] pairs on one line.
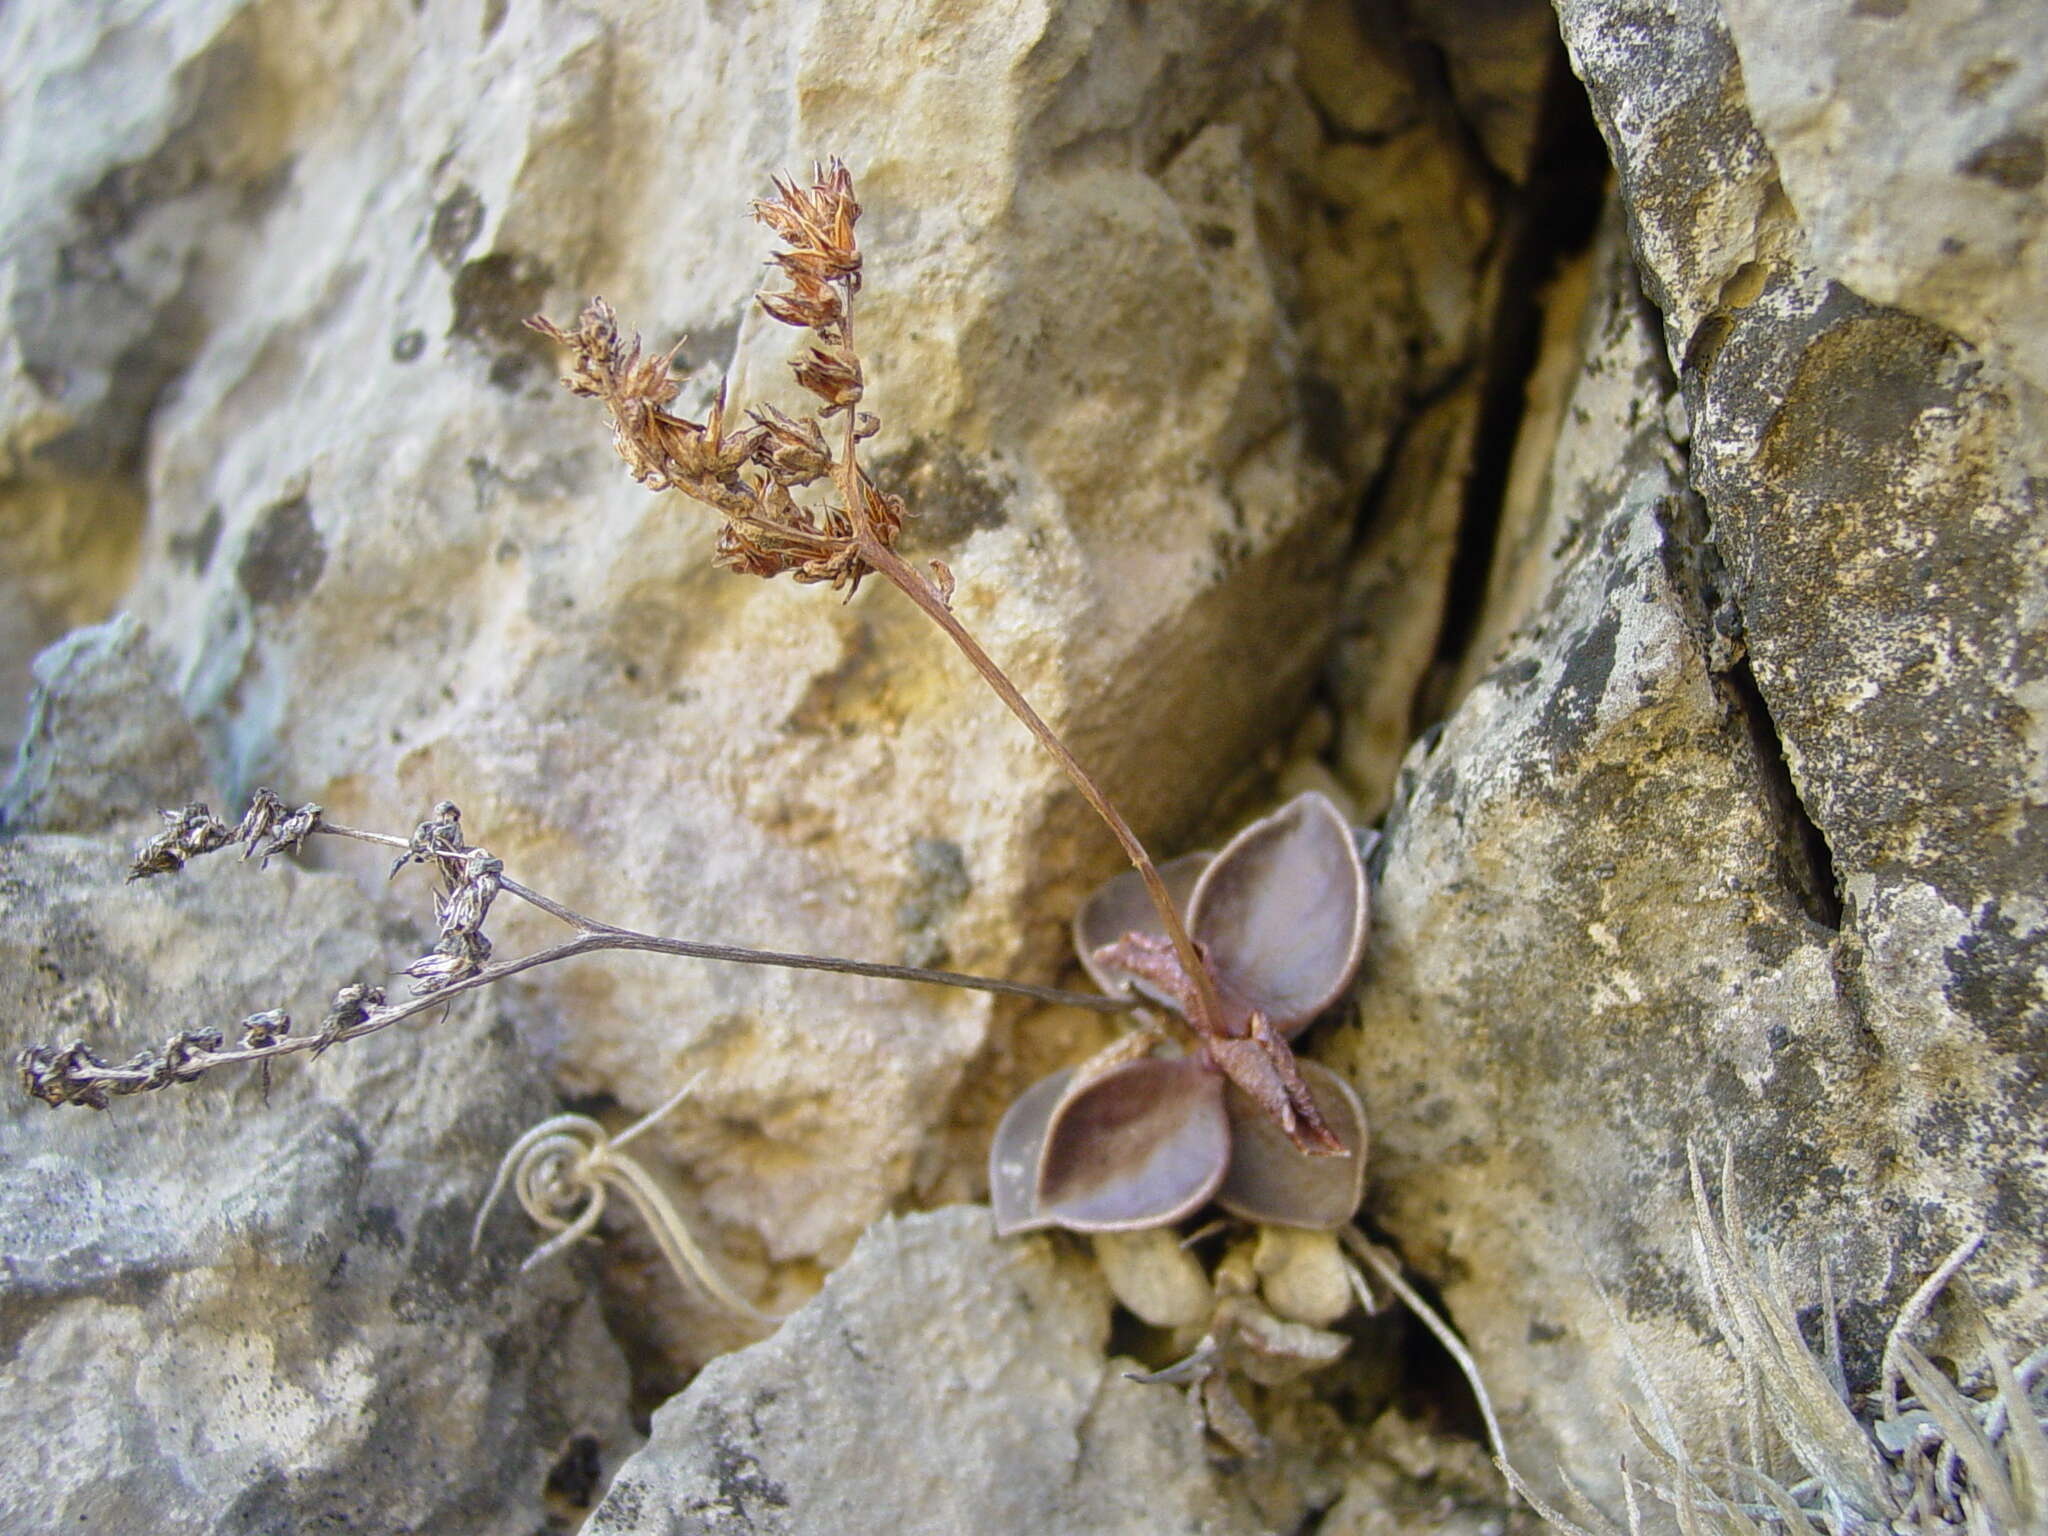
[[470, 880]]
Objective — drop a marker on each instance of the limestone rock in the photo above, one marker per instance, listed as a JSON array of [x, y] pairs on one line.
[[1912, 143], [1575, 891], [1874, 486], [231, 1308], [1499, 58], [106, 739], [125, 140], [1139, 328], [1734, 839], [977, 1362]]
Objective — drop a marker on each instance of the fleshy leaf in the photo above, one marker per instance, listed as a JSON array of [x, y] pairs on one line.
[[1139, 1146], [1281, 913], [1119, 906], [1014, 1154], [1272, 1180]]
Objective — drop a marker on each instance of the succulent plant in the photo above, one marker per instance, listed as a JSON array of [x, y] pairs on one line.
[[1133, 1139]]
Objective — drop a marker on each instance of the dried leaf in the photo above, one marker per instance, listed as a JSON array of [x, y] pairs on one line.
[[1270, 1179], [1141, 1145], [1015, 1151], [1281, 913]]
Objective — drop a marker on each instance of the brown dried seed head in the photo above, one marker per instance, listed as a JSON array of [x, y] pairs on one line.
[[817, 223], [834, 377], [634, 389], [807, 311]]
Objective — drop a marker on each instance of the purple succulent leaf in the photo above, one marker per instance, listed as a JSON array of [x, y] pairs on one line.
[[1119, 906], [1272, 1180], [1015, 1151], [1141, 1145], [1281, 913]]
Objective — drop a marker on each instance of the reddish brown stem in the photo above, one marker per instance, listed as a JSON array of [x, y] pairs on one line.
[[913, 584]]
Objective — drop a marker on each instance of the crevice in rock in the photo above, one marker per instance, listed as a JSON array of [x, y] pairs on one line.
[[1550, 218], [1807, 862]]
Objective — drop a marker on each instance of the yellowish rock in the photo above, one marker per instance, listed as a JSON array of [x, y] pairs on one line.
[[1302, 1275], [1155, 1277]]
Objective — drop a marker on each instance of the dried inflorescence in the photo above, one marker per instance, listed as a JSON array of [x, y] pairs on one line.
[[468, 881], [265, 830], [751, 475]]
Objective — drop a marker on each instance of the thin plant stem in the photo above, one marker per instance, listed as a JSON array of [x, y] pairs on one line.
[[596, 935], [74, 1075], [913, 584], [1445, 1334]]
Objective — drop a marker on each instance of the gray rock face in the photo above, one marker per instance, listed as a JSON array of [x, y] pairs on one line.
[[1912, 143], [945, 1381], [1534, 1042], [1140, 316], [106, 738], [231, 1310], [1732, 830], [1108, 257], [1874, 487], [1736, 838]]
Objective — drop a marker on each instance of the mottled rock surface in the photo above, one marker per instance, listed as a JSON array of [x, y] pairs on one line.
[[106, 739], [1199, 336], [1140, 320], [943, 1382], [1736, 837], [228, 1309], [1912, 144]]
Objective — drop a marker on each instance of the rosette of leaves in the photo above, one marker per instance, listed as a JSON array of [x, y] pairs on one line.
[[1134, 1139]]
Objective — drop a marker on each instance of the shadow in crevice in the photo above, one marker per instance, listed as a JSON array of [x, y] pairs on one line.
[[1550, 219], [1805, 861]]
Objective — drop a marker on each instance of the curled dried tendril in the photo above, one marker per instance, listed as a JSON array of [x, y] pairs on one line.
[[561, 1172]]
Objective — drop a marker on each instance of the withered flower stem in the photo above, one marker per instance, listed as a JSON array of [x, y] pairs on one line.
[[915, 586], [595, 935], [74, 1074], [879, 553]]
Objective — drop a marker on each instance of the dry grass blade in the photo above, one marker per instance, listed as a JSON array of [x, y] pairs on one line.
[[1988, 1489], [1685, 1496], [1773, 1493], [1390, 1272], [1914, 1310], [1817, 1426], [1552, 1515], [2028, 1445]]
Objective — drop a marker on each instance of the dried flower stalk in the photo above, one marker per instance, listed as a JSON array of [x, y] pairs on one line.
[[469, 880], [749, 475]]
